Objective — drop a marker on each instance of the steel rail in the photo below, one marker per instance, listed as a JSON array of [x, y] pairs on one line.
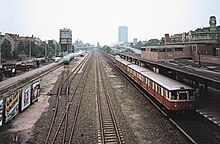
[[76, 70]]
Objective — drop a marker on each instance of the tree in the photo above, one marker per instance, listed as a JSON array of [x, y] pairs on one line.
[[139, 45], [152, 42], [107, 49], [132, 45], [6, 50]]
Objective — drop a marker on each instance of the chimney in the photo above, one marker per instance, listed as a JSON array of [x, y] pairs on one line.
[[166, 39]]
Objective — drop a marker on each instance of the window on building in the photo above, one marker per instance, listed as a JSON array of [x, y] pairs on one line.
[[169, 50], [194, 48], [216, 51], [153, 50], [178, 49], [162, 50], [143, 49]]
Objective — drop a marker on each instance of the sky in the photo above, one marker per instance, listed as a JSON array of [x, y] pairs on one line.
[[95, 21]]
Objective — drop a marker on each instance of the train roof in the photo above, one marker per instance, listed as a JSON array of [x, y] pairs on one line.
[[122, 60], [166, 82], [162, 80], [137, 68]]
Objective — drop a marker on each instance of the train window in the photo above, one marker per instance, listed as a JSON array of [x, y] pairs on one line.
[[155, 87], [146, 81], [161, 90], [152, 85], [135, 74], [139, 76], [182, 95], [169, 95], [158, 89], [143, 79], [173, 95], [165, 92]]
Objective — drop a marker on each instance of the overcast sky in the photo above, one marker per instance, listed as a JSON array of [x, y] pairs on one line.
[[98, 20]]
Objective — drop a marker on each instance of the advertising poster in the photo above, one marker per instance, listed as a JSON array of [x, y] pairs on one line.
[[35, 91], [12, 105], [1, 111], [25, 97]]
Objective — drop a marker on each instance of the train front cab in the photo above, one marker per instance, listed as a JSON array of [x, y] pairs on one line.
[[173, 99], [180, 100]]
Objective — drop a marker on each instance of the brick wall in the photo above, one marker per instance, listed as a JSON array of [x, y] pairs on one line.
[[167, 55]]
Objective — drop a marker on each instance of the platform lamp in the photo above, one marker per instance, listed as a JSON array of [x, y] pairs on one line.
[[199, 59]]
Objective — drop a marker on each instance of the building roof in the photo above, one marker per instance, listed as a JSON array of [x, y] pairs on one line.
[[166, 46]]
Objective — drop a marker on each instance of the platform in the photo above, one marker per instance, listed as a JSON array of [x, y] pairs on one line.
[[19, 78]]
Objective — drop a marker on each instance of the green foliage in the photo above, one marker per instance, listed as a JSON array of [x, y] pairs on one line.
[[139, 45], [152, 42], [107, 49], [23, 49], [6, 50]]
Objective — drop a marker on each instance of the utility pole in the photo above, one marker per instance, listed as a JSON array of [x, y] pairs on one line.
[[30, 49], [45, 49], [199, 60], [55, 48]]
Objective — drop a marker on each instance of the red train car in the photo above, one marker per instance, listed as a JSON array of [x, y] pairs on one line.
[[171, 93]]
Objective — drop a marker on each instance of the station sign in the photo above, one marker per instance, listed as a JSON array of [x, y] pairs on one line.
[[12, 105], [35, 91], [25, 97]]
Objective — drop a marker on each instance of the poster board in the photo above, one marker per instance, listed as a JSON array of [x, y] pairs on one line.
[[25, 97], [35, 91], [12, 105]]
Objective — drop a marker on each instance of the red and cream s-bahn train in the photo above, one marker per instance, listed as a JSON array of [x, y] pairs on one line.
[[170, 93]]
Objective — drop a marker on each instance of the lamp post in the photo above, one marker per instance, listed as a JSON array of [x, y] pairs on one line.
[[199, 59]]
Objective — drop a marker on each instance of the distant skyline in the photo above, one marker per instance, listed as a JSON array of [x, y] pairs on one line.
[[122, 34], [98, 20]]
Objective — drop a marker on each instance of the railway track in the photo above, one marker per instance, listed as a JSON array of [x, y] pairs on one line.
[[194, 126], [197, 128], [65, 112], [109, 129]]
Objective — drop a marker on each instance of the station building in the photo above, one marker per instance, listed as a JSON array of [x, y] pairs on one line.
[[202, 44], [166, 53]]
